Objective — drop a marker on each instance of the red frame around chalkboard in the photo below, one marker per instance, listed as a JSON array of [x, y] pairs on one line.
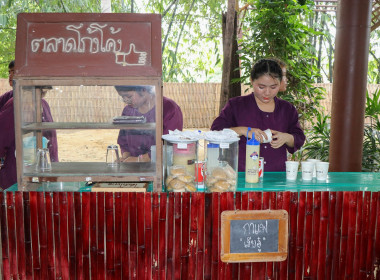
[[228, 216]]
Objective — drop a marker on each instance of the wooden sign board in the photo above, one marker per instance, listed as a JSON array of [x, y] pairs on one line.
[[88, 45], [119, 187], [254, 236]]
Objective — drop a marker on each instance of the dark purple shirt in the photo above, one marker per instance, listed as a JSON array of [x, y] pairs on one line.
[[243, 111], [5, 97], [8, 173], [138, 142]]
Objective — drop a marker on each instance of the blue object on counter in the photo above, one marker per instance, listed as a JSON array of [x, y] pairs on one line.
[[212, 145]]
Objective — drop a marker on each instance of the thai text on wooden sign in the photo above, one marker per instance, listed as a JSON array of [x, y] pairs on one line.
[[96, 45], [254, 235]]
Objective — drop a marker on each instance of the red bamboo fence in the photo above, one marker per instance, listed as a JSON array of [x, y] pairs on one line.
[[332, 235]]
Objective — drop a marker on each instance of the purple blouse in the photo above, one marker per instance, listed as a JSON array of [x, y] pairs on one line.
[[138, 142], [243, 111], [8, 174], [5, 97]]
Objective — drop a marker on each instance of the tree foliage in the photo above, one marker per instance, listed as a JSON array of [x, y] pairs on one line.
[[191, 31], [318, 136], [279, 29]]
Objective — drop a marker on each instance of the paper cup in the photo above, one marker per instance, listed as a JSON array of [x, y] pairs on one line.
[[269, 135], [291, 170], [314, 161], [322, 170], [307, 170]]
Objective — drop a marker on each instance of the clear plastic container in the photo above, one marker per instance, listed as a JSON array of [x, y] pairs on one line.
[[221, 166], [179, 166]]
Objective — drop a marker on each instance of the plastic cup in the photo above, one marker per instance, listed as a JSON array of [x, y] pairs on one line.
[[291, 170], [268, 133], [322, 170], [307, 170], [112, 157], [43, 162], [314, 161]]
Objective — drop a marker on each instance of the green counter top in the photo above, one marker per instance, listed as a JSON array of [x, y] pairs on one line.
[[273, 181], [336, 181]]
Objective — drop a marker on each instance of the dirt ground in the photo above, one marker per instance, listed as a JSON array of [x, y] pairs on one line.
[[85, 145], [90, 145]]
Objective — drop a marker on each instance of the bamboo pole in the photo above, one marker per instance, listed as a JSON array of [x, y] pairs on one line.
[[20, 235], [330, 239], [51, 267], [170, 238], [162, 232], [155, 236], [140, 235], [118, 234], [92, 234], [185, 213], [148, 236]]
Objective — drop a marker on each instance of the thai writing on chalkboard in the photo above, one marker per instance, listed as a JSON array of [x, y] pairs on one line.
[[254, 236]]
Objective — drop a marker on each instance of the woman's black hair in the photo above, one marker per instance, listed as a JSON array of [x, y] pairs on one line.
[[266, 67], [11, 64]]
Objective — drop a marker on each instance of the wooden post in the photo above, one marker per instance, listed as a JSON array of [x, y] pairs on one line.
[[350, 83]]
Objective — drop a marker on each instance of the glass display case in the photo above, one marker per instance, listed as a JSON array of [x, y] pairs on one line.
[[93, 75], [179, 165], [221, 166]]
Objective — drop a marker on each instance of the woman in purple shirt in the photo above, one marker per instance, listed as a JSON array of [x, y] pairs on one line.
[[263, 110], [8, 174], [135, 144], [9, 94]]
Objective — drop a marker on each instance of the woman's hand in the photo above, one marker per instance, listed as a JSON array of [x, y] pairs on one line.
[[259, 134], [131, 159], [281, 138], [141, 158], [125, 156]]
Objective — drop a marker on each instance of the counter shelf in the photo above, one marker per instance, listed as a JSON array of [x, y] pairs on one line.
[[94, 170], [80, 125], [274, 181], [336, 181]]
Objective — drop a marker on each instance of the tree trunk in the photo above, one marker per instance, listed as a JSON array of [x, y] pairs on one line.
[[230, 57]]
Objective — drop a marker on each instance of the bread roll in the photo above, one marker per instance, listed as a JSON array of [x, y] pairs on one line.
[[230, 172], [186, 178], [222, 185], [168, 179], [219, 173], [176, 184], [177, 170], [190, 188], [210, 181]]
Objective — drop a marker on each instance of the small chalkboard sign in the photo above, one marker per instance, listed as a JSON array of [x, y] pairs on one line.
[[254, 236]]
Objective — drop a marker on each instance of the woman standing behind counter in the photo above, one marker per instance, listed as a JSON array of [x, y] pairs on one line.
[[135, 145], [263, 110]]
